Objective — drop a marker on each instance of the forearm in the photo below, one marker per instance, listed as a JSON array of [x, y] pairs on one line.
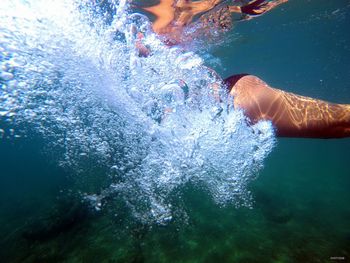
[[309, 117], [292, 115]]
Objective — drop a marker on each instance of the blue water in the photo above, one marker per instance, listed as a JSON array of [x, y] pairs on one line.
[[299, 210]]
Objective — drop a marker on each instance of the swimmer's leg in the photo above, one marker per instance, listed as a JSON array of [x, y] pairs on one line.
[[291, 114]]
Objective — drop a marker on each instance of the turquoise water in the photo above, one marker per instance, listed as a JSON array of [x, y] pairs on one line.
[[299, 210]]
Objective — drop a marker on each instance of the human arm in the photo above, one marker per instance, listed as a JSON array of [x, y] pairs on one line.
[[292, 115]]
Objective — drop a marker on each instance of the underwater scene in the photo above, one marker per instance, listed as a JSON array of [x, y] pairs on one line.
[[123, 139]]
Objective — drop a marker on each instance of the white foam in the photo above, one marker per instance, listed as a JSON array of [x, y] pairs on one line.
[[66, 78]]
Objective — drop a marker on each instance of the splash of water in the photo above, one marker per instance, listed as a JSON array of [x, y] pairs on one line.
[[73, 75]]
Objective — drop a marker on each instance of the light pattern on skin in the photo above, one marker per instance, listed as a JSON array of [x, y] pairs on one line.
[[292, 115]]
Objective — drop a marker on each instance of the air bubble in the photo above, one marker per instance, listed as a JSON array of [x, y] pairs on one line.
[[150, 120], [6, 76]]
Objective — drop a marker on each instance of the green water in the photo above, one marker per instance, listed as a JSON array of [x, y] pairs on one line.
[[301, 210]]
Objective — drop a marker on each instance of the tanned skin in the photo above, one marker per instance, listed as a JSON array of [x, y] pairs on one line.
[[291, 114], [173, 15]]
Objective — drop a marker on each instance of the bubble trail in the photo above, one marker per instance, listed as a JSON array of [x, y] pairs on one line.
[[70, 72]]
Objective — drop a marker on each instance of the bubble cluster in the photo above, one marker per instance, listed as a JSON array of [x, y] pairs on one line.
[[78, 80]]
